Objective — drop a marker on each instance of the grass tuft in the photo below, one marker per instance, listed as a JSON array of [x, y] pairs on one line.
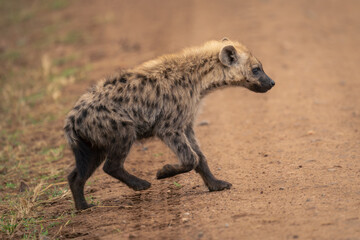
[[20, 211]]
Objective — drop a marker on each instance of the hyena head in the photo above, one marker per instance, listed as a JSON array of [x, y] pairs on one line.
[[242, 68]]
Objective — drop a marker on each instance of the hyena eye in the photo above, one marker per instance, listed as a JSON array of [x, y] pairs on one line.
[[256, 70]]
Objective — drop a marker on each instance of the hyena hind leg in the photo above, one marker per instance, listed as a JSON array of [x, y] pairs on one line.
[[87, 161], [180, 146], [114, 166]]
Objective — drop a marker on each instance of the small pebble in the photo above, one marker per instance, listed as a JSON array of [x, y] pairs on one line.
[[132, 236], [23, 187], [310, 132], [226, 225], [203, 123], [200, 235], [281, 188], [185, 219], [3, 171]]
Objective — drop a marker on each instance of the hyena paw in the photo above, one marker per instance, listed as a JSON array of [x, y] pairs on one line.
[[219, 185], [84, 206], [165, 172], [140, 184]]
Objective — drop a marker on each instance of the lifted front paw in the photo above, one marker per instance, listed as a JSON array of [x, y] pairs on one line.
[[219, 185], [165, 172]]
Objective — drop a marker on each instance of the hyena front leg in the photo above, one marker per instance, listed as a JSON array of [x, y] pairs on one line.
[[202, 168], [114, 164], [179, 144]]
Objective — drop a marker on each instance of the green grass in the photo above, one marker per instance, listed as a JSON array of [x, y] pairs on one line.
[[61, 61], [69, 72], [19, 16], [33, 98], [7, 226], [10, 55], [54, 224], [55, 192], [58, 4], [158, 154], [56, 177], [90, 199], [20, 210], [72, 37], [53, 154], [177, 184], [10, 185], [34, 228], [11, 138]]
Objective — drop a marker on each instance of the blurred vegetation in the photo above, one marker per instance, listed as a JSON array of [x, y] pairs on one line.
[[39, 58]]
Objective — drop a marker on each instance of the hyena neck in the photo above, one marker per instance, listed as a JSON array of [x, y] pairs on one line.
[[206, 69], [206, 72], [215, 79], [201, 68]]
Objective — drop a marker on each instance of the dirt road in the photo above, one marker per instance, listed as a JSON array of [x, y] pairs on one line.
[[292, 154]]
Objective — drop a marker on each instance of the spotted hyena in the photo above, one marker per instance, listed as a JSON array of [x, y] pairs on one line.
[[158, 98]]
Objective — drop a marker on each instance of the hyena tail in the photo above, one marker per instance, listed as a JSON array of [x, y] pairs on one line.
[[82, 149]]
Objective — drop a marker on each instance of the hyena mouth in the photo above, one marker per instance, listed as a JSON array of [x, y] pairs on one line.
[[260, 88], [265, 85]]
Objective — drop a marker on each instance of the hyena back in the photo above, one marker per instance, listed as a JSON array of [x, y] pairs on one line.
[[159, 98]]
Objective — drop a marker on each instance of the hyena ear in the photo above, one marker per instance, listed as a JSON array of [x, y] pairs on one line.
[[228, 56]]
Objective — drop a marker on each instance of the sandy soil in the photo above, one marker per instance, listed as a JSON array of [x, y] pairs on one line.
[[292, 154]]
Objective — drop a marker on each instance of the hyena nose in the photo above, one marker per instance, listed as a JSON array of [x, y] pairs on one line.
[[272, 83]]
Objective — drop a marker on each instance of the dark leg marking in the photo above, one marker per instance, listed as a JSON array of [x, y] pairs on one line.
[[202, 168]]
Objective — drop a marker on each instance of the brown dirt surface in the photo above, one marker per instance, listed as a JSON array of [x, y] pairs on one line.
[[292, 154]]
